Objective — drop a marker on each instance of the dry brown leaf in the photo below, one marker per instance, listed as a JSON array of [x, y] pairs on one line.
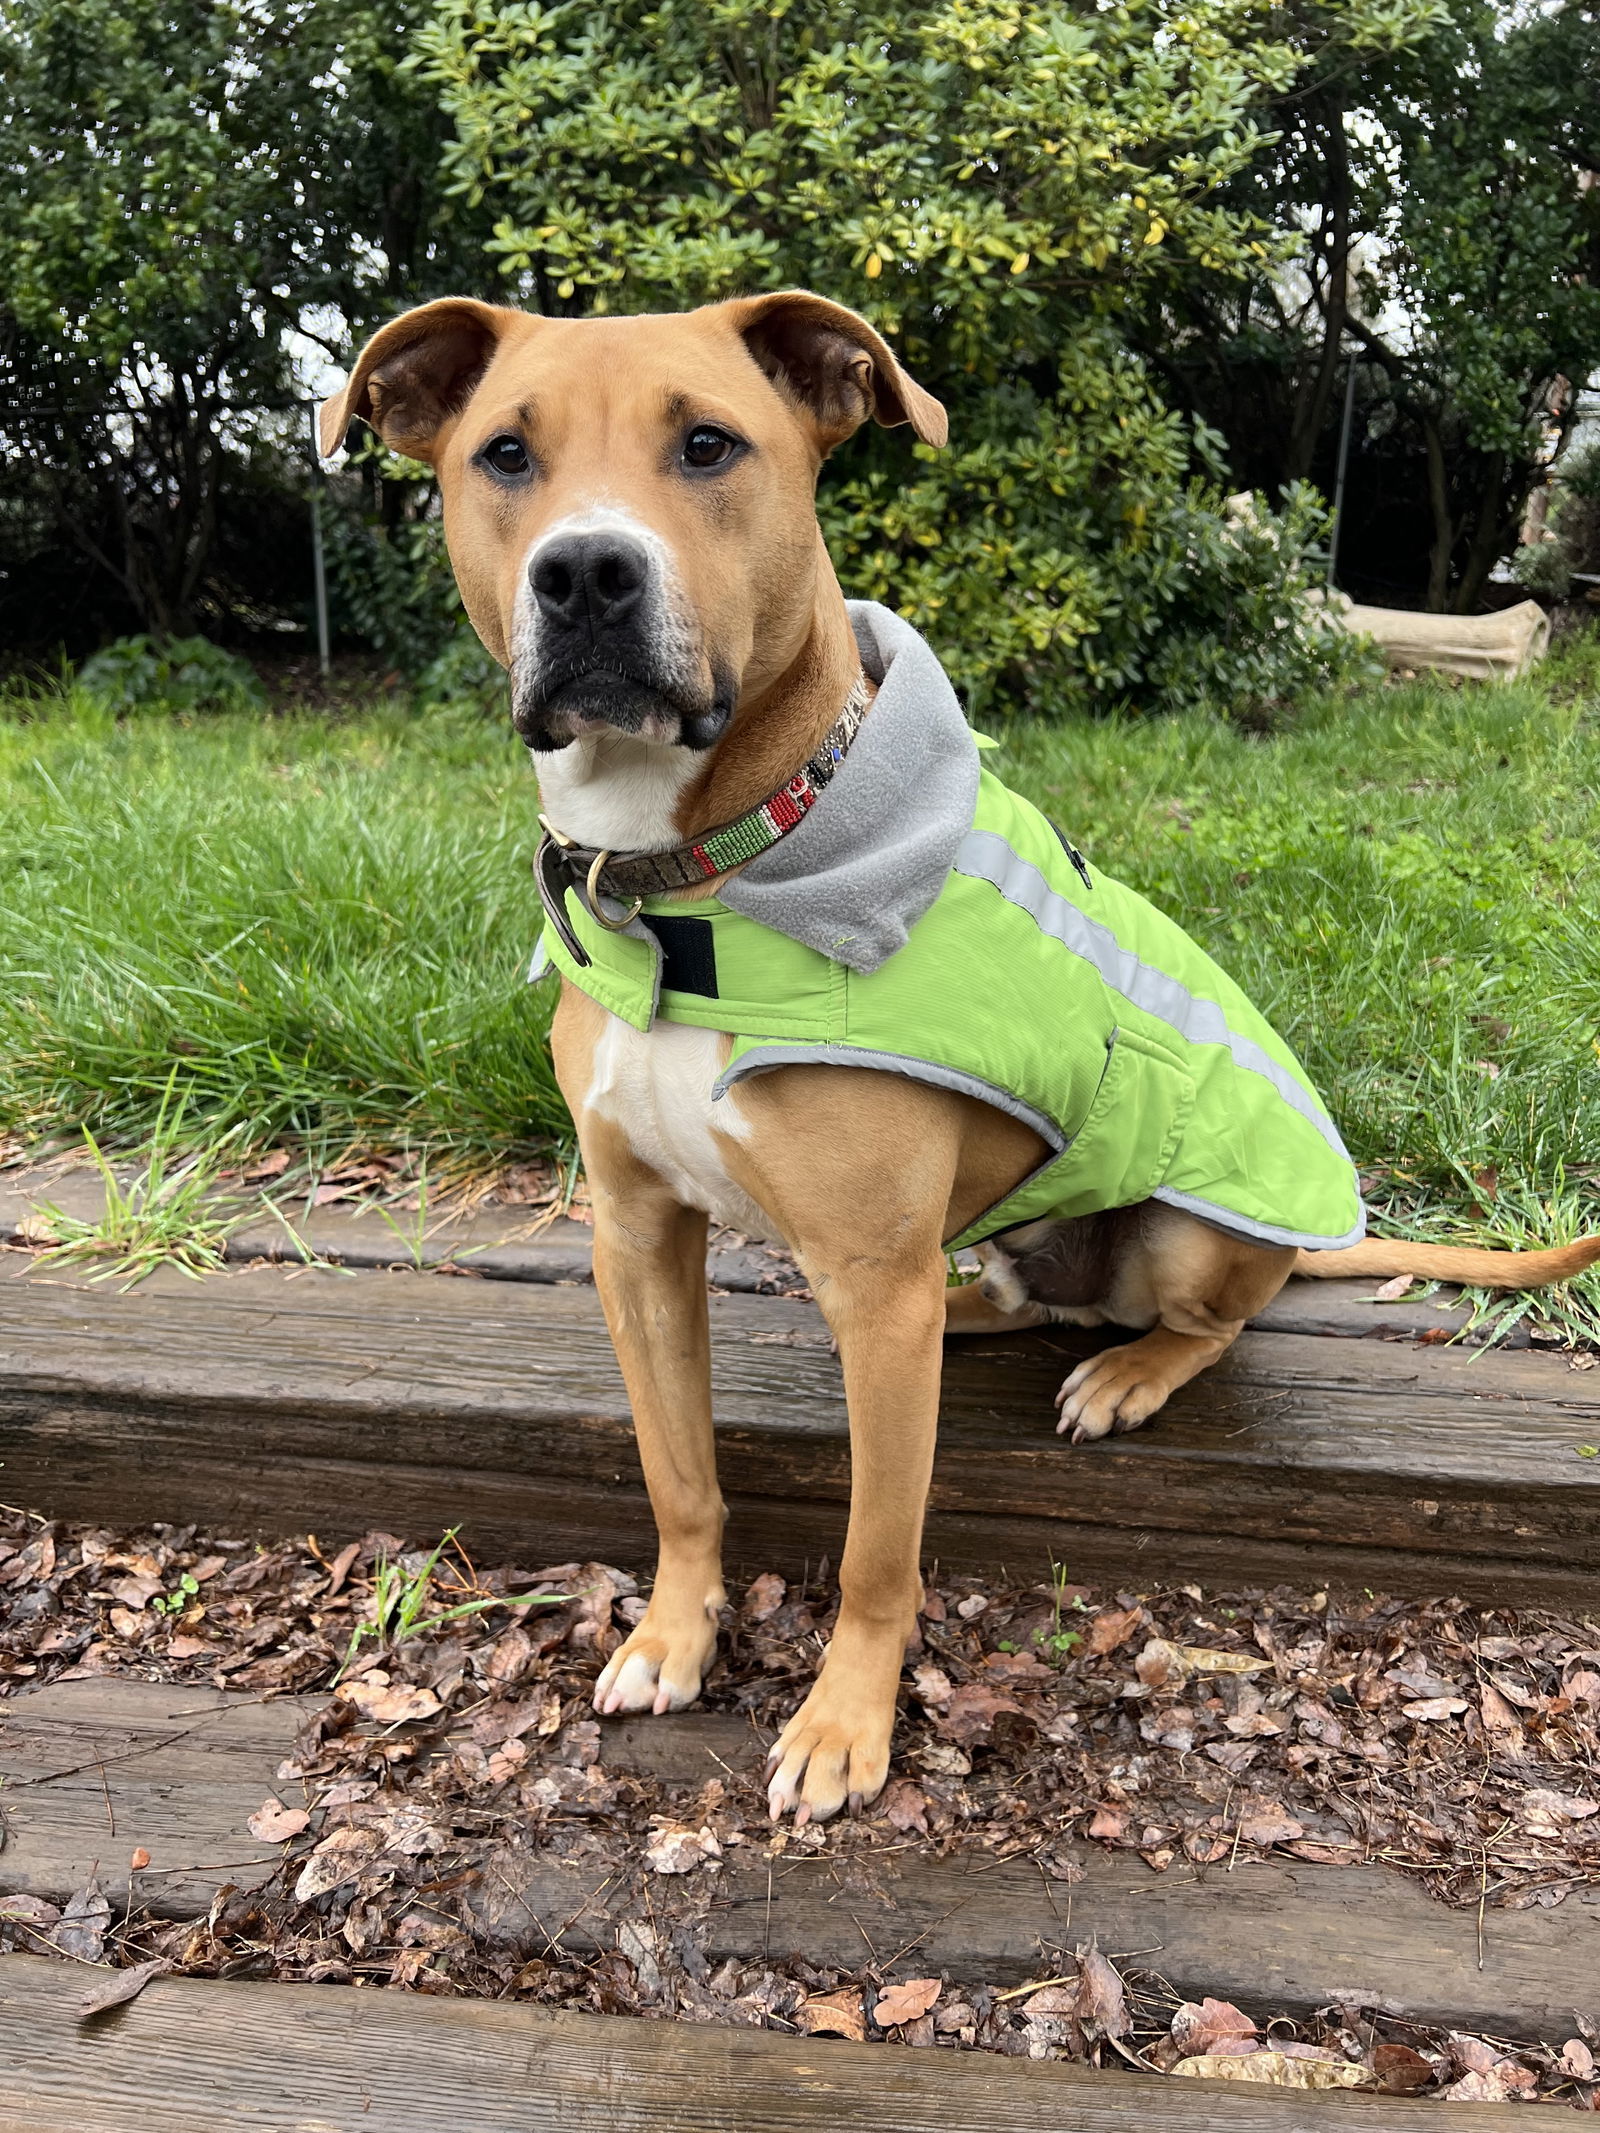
[[81, 1929], [974, 1712], [1504, 2081], [1263, 1822], [1400, 2070], [675, 1849], [337, 1859], [1256, 1725], [1278, 2070], [1205, 1660], [1392, 1290], [1162, 1663], [120, 1986], [1559, 1806], [833, 2014], [1109, 1824], [1577, 2059], [273, 1823], [1111, 1629], [395, 1705], [905, 2003], [942, 1758], [138, 1860], [1212, 2025], [764, 1597], [933, 1686], [339, 1569], [905, 1806], [1430, 1709], [1100, 1995], [1498, 1715], [1325, 1854], [1472, 2054]]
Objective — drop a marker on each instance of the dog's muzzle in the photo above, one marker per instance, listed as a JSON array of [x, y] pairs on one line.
[[602, 652]]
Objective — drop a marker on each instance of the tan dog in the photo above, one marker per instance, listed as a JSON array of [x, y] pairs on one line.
[[629, 509]]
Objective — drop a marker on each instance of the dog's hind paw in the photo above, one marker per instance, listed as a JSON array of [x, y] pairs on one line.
[[1112, 1391]]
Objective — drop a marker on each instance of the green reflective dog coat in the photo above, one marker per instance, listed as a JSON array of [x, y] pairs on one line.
[[1062, 998]]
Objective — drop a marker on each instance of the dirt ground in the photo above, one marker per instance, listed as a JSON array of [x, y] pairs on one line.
[[1455, 1744]]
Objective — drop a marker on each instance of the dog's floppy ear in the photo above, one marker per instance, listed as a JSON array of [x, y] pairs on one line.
[[835, 365], [416, 372]]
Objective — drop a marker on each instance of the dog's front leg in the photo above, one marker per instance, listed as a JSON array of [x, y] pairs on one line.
[[649, 1266], [887, 1312]]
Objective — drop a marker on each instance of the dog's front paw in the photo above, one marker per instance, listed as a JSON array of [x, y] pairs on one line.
[[834, 1749], [661, 1666], [1115, 1390]]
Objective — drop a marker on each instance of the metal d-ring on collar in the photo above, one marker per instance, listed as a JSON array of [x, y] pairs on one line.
[[592, 890]]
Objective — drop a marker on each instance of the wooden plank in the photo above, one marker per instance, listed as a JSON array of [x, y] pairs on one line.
[[1276, 1937], [498, 1244], [175, 1769], [223, 2058], [274, 1398]]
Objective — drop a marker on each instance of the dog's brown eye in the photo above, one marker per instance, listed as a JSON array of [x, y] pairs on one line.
[[706, 447], [505, 455]]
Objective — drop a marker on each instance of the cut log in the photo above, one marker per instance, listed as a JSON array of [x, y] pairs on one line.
[[1495, 647]]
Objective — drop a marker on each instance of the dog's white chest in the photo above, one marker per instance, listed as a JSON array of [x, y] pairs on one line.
[[656, 1085]]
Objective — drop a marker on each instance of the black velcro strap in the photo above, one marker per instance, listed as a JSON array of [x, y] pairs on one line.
[[688, 954]]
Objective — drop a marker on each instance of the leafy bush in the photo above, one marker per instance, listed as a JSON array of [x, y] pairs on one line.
[[995, 187], [1070, 556], [391, 583], [182, 674]]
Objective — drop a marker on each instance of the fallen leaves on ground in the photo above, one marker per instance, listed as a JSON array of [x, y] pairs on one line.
[[1180, 1728]]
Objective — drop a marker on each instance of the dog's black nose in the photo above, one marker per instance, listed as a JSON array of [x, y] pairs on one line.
[[593, 578]]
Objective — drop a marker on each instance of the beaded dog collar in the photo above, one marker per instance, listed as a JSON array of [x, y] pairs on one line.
[[561, 863]]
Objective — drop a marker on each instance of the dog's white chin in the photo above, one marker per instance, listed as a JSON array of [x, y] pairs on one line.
[[616, 791]]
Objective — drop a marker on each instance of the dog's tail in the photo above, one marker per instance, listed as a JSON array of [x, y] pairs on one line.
[[1450, 1262]]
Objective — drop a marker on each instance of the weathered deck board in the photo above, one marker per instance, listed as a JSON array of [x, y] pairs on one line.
[[503, 1244], [224, 2058], [274, 1398], [1274, 1936], [175, 1769]]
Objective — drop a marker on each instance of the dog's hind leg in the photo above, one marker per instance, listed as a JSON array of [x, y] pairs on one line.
[[1200, 1287]]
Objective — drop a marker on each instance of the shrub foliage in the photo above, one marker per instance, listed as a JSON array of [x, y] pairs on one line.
[[993, 186]]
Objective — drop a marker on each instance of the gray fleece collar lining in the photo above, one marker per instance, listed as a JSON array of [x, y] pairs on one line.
[[875, 851]]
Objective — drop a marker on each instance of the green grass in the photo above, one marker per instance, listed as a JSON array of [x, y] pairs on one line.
[[322, 925]]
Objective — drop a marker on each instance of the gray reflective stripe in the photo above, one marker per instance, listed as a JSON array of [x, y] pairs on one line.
[[763, 1056], [984, 856], [1258, 1232]]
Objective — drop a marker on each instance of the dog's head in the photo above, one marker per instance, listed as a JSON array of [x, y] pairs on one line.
[[628, 502]]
